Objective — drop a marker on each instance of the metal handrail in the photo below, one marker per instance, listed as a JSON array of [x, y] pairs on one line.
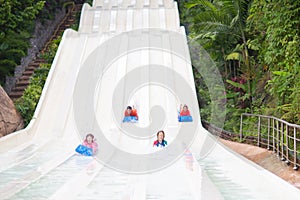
[[280, 136], [271, 117]]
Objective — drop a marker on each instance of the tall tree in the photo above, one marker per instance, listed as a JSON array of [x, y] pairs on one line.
[[276, 26], [16, 22], [222, 25]]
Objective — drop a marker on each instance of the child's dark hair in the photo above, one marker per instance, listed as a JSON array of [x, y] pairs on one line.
[[162, 132], [89, 135], [129, 107]]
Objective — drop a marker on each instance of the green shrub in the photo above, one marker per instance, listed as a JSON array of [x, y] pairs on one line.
[[6, 68], [27, 103]]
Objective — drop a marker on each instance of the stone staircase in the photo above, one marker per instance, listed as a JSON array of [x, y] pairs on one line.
[[24, 80]]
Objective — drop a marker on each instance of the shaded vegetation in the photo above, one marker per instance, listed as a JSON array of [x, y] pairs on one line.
[[255, 45], [26, 105], [17, 22]]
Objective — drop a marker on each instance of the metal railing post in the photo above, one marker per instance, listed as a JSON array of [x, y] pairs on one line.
[[287, 144], [295, 150], [281, 139], [241, 128], [273, 132], [258, 132], [268, 142], [277, 147]]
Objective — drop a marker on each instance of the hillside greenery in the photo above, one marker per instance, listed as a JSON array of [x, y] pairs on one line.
[[17, 22], [255, 45], [26, 105]]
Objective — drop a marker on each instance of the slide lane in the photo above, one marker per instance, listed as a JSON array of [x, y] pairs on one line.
[[135, 186]]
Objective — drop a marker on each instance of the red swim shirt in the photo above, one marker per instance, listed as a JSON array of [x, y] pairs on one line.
[[185, 113]]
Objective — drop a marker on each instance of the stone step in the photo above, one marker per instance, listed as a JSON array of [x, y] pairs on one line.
[[70, 20], [15, 95], [28, 72], [19, 89], [31, 68], [24, 78], [22, 83], [35, 64], [39, 60], [63, 27]]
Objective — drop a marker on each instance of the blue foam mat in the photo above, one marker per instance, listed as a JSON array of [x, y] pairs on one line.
[[130, 119], [86, 151], [185, 118]]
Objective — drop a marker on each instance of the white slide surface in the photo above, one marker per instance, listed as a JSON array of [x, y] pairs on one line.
[[112, 61]]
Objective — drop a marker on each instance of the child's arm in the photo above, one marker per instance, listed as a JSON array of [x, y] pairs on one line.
[[94, 147], [180, 109]]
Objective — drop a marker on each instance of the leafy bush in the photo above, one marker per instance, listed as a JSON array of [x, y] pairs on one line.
[[17, 23], [255, 45], [6, 68], [27, 103]]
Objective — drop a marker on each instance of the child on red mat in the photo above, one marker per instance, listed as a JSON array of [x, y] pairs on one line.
[[131, 111], [184, 111]]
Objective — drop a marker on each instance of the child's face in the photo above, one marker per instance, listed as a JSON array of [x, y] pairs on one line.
[[160, 136], [129, 111], [185, 108], [89, 139]]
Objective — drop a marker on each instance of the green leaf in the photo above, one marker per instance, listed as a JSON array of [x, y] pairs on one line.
[[235, 84], [234, 56], [232, 95], [281, 73], [190, 5]]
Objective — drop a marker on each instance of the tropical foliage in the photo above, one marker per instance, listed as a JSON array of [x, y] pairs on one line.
[[16, 22], [26, 105], [255, 44]]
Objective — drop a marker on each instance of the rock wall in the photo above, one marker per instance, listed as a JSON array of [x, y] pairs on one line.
[[40, 37], [10, 119]]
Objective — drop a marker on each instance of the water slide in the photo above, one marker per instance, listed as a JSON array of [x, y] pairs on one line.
[[126, 52]]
